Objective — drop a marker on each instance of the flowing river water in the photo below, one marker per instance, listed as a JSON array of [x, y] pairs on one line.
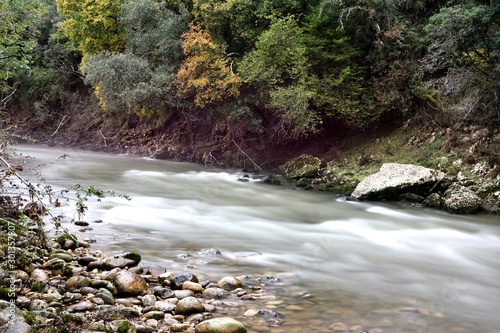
[[325, 263]]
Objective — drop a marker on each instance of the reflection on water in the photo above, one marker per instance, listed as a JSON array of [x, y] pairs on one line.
[[374, 265]]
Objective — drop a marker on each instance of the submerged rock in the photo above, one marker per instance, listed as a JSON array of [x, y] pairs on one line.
[[393, 179]]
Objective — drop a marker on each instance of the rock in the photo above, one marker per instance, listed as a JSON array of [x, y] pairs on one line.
[[180, 327], [165, 306], [81, 307], [434, 200], [37, 304], [188, 306], [11, 319], [339, 327], [163, 292], [461, 200], [130, 284], [220, 325], [106, 296], [251, 313], [215, 293], [180, 294], [393, 179], [178, 280], [62, 255], [123, 326], [229, 283], [304, 166], [77, 282], [210, 252], [39, 275], [134, 256], [273, 180], [86, 260], [158, 315], [111, 263], [193, 286], [155, 270]]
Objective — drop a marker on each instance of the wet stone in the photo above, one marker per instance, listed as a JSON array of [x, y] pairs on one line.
[[39, 275], [193, 286], [229, 283], [180, 294], [180, 327], [220, 325], [155, 270], [165, 306], [188, 306], [179, 280], [158, 315], [81, 307], [215, 293]]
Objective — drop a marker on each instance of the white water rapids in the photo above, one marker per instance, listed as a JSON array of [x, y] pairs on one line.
[[376, 265]]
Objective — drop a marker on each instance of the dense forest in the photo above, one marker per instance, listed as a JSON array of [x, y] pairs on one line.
[[242, 70]]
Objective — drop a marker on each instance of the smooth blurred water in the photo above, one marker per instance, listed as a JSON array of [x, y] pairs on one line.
[[370, 264]]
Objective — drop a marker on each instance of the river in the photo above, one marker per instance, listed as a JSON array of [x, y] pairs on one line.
[[332, 262]]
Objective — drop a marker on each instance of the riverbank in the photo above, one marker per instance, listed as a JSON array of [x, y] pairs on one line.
[[61, 285], [469, 156]]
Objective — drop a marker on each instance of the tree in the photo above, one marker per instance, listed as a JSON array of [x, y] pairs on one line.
[[92, 26], [206, 74], [278, 68], [141, 79], [464, 33], [238, 23], [18, 33], [114, 75]]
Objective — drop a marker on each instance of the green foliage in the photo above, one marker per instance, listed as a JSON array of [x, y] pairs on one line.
[[113, 76], [83, 194], [278, 68], [18, 33], [464, 33], [92, 26], [239, 23], [141, 79], [153, 31]]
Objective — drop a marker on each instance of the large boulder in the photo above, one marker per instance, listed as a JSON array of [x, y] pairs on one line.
[[304, 166], [394, 179], [220, 325]]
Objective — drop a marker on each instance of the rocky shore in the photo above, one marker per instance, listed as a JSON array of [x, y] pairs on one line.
[[61, 285], [470, 189]]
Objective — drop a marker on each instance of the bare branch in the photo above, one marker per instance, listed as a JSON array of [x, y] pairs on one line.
[[241, 150], [63, 121]]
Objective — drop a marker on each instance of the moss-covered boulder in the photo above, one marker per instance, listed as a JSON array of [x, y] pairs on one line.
[[304, 166], [461, 200]]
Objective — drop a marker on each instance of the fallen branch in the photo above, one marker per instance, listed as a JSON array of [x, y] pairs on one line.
[[63, 121], [241, 150], [105, 144]]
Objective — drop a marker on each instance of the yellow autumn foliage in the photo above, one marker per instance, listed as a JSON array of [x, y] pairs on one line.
[[206, 72]]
